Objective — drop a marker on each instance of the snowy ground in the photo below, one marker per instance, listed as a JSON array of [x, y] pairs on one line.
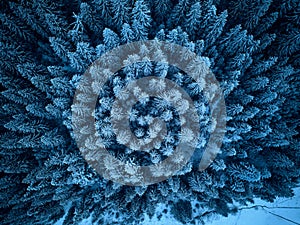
[[272, 214], [288, 208]]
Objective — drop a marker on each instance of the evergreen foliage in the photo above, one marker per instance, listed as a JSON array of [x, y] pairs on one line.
[[253, 48]]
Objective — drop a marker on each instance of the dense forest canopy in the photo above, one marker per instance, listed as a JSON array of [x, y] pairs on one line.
[[251, 46]]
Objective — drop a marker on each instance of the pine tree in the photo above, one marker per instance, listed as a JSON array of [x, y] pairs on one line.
[[193, 20], [141, 20]]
